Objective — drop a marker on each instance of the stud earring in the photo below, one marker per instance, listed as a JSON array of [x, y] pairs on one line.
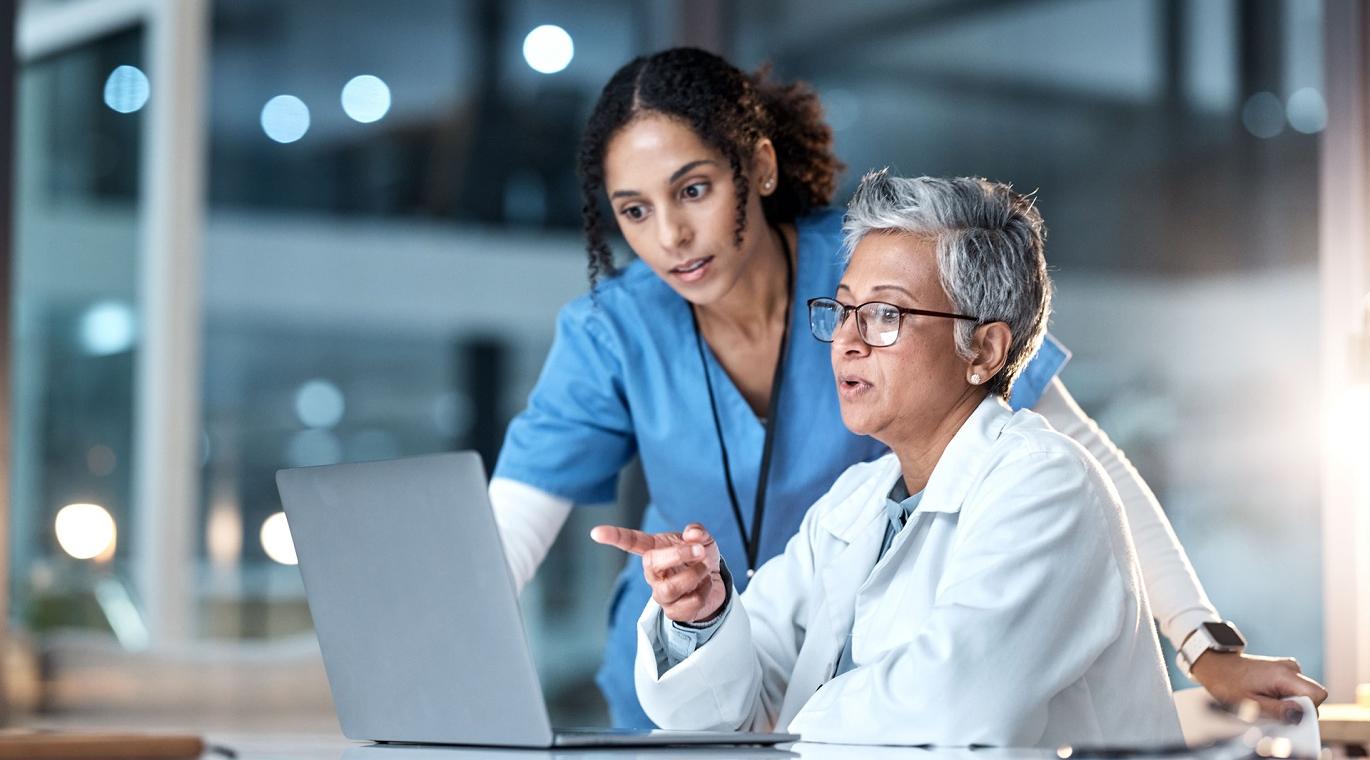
[[768, 184], [975, 378]]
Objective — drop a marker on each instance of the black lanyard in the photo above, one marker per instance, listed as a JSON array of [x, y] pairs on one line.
[[752, 542]]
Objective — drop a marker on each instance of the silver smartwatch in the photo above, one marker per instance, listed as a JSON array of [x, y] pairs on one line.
[[1209, 636]]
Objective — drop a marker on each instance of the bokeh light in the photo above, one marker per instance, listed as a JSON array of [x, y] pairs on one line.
[[276, 541], [548, 49], [1307, 111], [107, 328], [1263, 115], [314, 447], [366, 98], [319, 404], [285, 118], [127, 89], [85, 531]]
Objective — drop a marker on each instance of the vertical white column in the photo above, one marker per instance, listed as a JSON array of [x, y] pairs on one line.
[[167, 397], [1345, 281]]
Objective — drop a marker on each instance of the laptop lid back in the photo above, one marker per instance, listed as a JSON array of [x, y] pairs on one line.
[[415, 611]]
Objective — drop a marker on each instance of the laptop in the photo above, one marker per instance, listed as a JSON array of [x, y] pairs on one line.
[[416, 612]]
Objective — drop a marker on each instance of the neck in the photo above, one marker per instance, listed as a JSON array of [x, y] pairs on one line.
[[920, 451], [758, 296]]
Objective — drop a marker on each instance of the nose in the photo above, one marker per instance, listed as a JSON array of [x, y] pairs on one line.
[[846, 341], [672, 231]]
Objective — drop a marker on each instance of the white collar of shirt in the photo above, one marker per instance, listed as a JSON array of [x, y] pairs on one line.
[[956, 472]]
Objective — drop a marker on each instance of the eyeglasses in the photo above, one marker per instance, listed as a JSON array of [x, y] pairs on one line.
[[877, 322]]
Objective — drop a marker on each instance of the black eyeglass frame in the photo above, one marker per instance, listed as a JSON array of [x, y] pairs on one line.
[[861, 331]]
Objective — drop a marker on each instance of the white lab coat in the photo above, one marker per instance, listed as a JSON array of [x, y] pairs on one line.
[[1009, 611]]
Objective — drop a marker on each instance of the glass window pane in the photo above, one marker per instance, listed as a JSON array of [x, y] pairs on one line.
[[77, 150], [1174, 151]]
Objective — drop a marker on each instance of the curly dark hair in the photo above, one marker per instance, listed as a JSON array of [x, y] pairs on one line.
[[730, 111]]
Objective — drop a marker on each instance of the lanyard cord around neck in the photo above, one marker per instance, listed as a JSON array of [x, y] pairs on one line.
[[752, 541]]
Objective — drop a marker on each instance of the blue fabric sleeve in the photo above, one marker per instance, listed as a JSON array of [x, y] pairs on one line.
[[576, 434], [1036, 376]]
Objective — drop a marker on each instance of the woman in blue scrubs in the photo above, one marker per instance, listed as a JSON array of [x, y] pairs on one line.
[[696, 357]]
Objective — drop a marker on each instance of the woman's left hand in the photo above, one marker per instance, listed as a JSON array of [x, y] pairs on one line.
[[1268, 681]]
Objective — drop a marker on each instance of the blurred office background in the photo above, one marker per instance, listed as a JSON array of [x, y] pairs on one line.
[[390, 223]]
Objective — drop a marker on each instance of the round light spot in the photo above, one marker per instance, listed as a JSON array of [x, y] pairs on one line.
[[1307, 111], [548, 49], [1263, 115], [85, 531], [276, 540], [366, 98], [107, 328], [310, 448], [126, 89], [285, 118], [319, 404]]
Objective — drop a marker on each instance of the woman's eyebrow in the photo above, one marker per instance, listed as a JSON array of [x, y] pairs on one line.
[[843, 286], [682, 171], [893, 287], [677, 174]]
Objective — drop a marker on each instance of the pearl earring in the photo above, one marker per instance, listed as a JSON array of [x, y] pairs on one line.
[[975, 378], [768, 184]]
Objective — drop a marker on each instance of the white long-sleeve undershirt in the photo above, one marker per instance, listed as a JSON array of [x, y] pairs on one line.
[[529, 520], [1178, 601]]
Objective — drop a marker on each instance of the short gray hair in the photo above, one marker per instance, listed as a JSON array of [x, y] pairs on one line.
[[990, 245]]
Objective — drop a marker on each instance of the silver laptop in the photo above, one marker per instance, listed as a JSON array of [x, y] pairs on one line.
[[416, 612]]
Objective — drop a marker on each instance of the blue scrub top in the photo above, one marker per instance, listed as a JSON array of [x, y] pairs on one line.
[[624, 377]]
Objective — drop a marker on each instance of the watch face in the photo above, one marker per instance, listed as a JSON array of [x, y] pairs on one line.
[[1224, 635]]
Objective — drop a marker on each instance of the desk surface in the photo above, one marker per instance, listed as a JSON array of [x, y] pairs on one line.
[[318, 747]]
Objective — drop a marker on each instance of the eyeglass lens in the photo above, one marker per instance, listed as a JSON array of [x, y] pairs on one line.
[[877, 323]]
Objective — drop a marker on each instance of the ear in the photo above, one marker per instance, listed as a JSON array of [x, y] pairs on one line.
[[990, 344], [764, 169]]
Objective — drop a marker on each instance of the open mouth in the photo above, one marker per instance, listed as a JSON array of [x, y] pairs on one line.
[[692, 270], [693, 265], [851, 385]]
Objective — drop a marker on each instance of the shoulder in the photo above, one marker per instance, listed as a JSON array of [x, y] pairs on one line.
[[1028, 432], [610, 311], [1031, 457]]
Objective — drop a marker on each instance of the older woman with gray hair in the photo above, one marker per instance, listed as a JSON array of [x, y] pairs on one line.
[[978, 584]]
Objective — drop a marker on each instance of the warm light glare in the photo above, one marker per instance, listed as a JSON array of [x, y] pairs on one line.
[[224, 534], [276, 540], [1347, 421], [85, 531], [548, 49]]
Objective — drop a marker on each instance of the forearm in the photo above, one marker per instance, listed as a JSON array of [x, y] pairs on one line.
[[1178, 601], [528, 520]]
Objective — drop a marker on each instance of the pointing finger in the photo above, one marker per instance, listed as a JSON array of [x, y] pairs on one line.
[[627, 539]]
